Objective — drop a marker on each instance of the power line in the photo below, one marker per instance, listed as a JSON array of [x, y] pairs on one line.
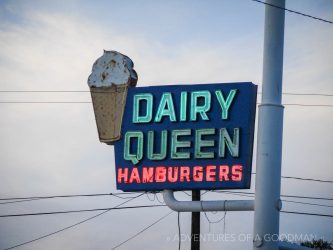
[[307, 197], [304, 94], [87, 91], [304, 105], [34, 102], [297, 202], [33, 198], [295, 12], [141, 231], [85, 102], [73, 225], [303, 179], [308, 105], [146, 228], [18, 201], [282, 195], [69, 196], [232, 193], [293, 212], [44, 91], [307, 203], [306, 179], [79, 211], [134, 207], [118, 195]]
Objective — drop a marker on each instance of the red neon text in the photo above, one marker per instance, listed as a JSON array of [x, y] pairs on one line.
[[162, 174]]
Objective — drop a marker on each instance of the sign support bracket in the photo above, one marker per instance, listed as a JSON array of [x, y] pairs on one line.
[[202, 206], [218, 205]]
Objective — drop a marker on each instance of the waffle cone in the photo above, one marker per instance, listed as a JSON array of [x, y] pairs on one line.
[[109, 104]]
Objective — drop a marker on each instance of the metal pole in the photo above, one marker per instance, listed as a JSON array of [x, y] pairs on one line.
[[195, 227], [270, 130], [200, 206]]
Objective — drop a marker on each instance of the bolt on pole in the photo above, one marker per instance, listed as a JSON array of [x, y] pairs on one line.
[[270, 131]]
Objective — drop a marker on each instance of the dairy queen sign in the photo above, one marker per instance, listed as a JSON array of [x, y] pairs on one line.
[[179, 137]]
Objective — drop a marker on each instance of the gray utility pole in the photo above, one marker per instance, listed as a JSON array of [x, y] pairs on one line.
[[195, 226], [270, 130]]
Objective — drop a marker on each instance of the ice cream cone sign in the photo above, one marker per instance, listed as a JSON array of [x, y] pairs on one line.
[[112, 74]]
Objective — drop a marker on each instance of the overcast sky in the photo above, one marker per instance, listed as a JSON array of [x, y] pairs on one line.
[[53, 149]]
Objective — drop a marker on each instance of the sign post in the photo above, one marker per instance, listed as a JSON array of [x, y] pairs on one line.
[[270, 127], [195, 225]]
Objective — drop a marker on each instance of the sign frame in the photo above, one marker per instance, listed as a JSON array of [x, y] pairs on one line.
[[172, 110]]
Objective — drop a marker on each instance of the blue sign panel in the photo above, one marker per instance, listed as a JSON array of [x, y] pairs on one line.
[[185, 137]]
